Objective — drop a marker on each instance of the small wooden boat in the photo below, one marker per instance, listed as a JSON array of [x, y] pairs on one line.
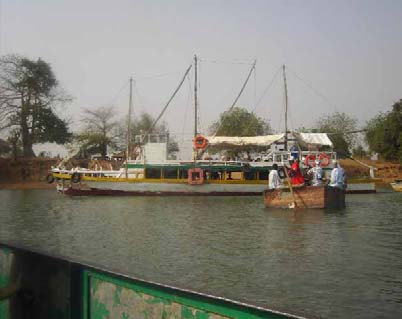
[[397, 185], [305, 197]]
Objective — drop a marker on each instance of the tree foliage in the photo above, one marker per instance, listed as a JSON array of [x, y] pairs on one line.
[[29, 93], [5, 147], [340, 126], [240, 122], [15, 142], [99, 131], [384, 133], [143, 125], [359, 151]]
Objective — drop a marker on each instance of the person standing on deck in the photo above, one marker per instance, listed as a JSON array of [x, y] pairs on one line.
[[316, 172], [338, 177], [295, 173], [274, 181], [294, 151]]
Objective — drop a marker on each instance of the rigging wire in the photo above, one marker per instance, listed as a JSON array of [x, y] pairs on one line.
[[263, 94], [237, 98], [139, 98], [267, 89], [198, 96], [289, 114], [227, 62], [170, 100], [189, 101], [118, 92], [161, 75], [255, 89], [313, 89]]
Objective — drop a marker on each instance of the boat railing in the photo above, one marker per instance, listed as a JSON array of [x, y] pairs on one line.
[[283, 157]]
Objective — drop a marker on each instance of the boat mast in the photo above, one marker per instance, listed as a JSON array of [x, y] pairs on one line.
[[286, 107], [130, 108], [195, 97]]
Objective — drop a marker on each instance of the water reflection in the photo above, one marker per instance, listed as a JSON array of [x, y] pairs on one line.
[[325, 263]]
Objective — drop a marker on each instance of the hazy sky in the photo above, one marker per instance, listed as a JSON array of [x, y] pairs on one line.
[[348, 51]]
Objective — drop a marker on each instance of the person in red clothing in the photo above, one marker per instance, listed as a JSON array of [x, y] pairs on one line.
[[295, 173]]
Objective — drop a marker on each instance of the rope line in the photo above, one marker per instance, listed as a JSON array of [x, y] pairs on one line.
[[161, 75], [267, 89], [170, 100], [237, 98], [226, 62], [118, 92], [322, 96]]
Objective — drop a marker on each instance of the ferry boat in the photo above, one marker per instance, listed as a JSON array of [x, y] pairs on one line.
[[153, 174]]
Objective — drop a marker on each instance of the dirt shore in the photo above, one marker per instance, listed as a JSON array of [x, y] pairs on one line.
[[30, 174], [385, 170], [26, 185]]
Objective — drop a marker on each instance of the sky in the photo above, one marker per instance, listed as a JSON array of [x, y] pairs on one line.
[[341, 55]]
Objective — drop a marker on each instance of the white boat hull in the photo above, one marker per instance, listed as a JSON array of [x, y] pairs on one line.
[[151, 188]]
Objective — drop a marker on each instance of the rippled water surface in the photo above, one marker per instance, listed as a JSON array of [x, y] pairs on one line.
[[317, 263]]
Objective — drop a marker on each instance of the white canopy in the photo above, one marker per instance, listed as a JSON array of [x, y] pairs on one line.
[[236, 141], [319, 139]]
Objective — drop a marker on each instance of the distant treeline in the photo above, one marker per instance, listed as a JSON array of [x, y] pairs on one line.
[[30, 96]]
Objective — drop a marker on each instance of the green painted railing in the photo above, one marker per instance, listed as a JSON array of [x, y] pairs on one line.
[[67, 289], [109, 297]]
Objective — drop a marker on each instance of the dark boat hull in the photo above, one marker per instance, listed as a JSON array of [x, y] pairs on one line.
[[108, 192], [306, 197]]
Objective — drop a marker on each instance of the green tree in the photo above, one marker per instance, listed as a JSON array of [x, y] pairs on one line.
[[140, 127], [4, 147], [384, 133], [99, 132], [339, 126], [28, 97], [359, 151], [15, 142], [240, 122]]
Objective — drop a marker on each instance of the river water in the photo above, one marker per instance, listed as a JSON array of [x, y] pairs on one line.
[[316, 263]]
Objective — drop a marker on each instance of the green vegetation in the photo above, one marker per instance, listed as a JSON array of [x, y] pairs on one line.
[[4, 147], [384, 133], [240, 122], [29, 95], [143, 124], [339, 126], [99, 132], [359, 152]]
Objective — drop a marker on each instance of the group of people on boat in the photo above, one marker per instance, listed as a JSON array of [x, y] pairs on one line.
[[313, 176]]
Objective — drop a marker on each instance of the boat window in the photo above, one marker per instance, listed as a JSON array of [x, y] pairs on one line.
[[215, 175], [249, 175], [264, 175], [153, 173], [183, 174], [170, 173], [233, 175]]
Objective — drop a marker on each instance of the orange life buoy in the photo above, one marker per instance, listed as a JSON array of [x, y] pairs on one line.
[[325, 159], [200, 142], [309, 158], [195, 176]]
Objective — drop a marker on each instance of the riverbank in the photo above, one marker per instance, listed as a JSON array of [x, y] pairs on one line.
[[384, 170], [26, 185], [31, 174]]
